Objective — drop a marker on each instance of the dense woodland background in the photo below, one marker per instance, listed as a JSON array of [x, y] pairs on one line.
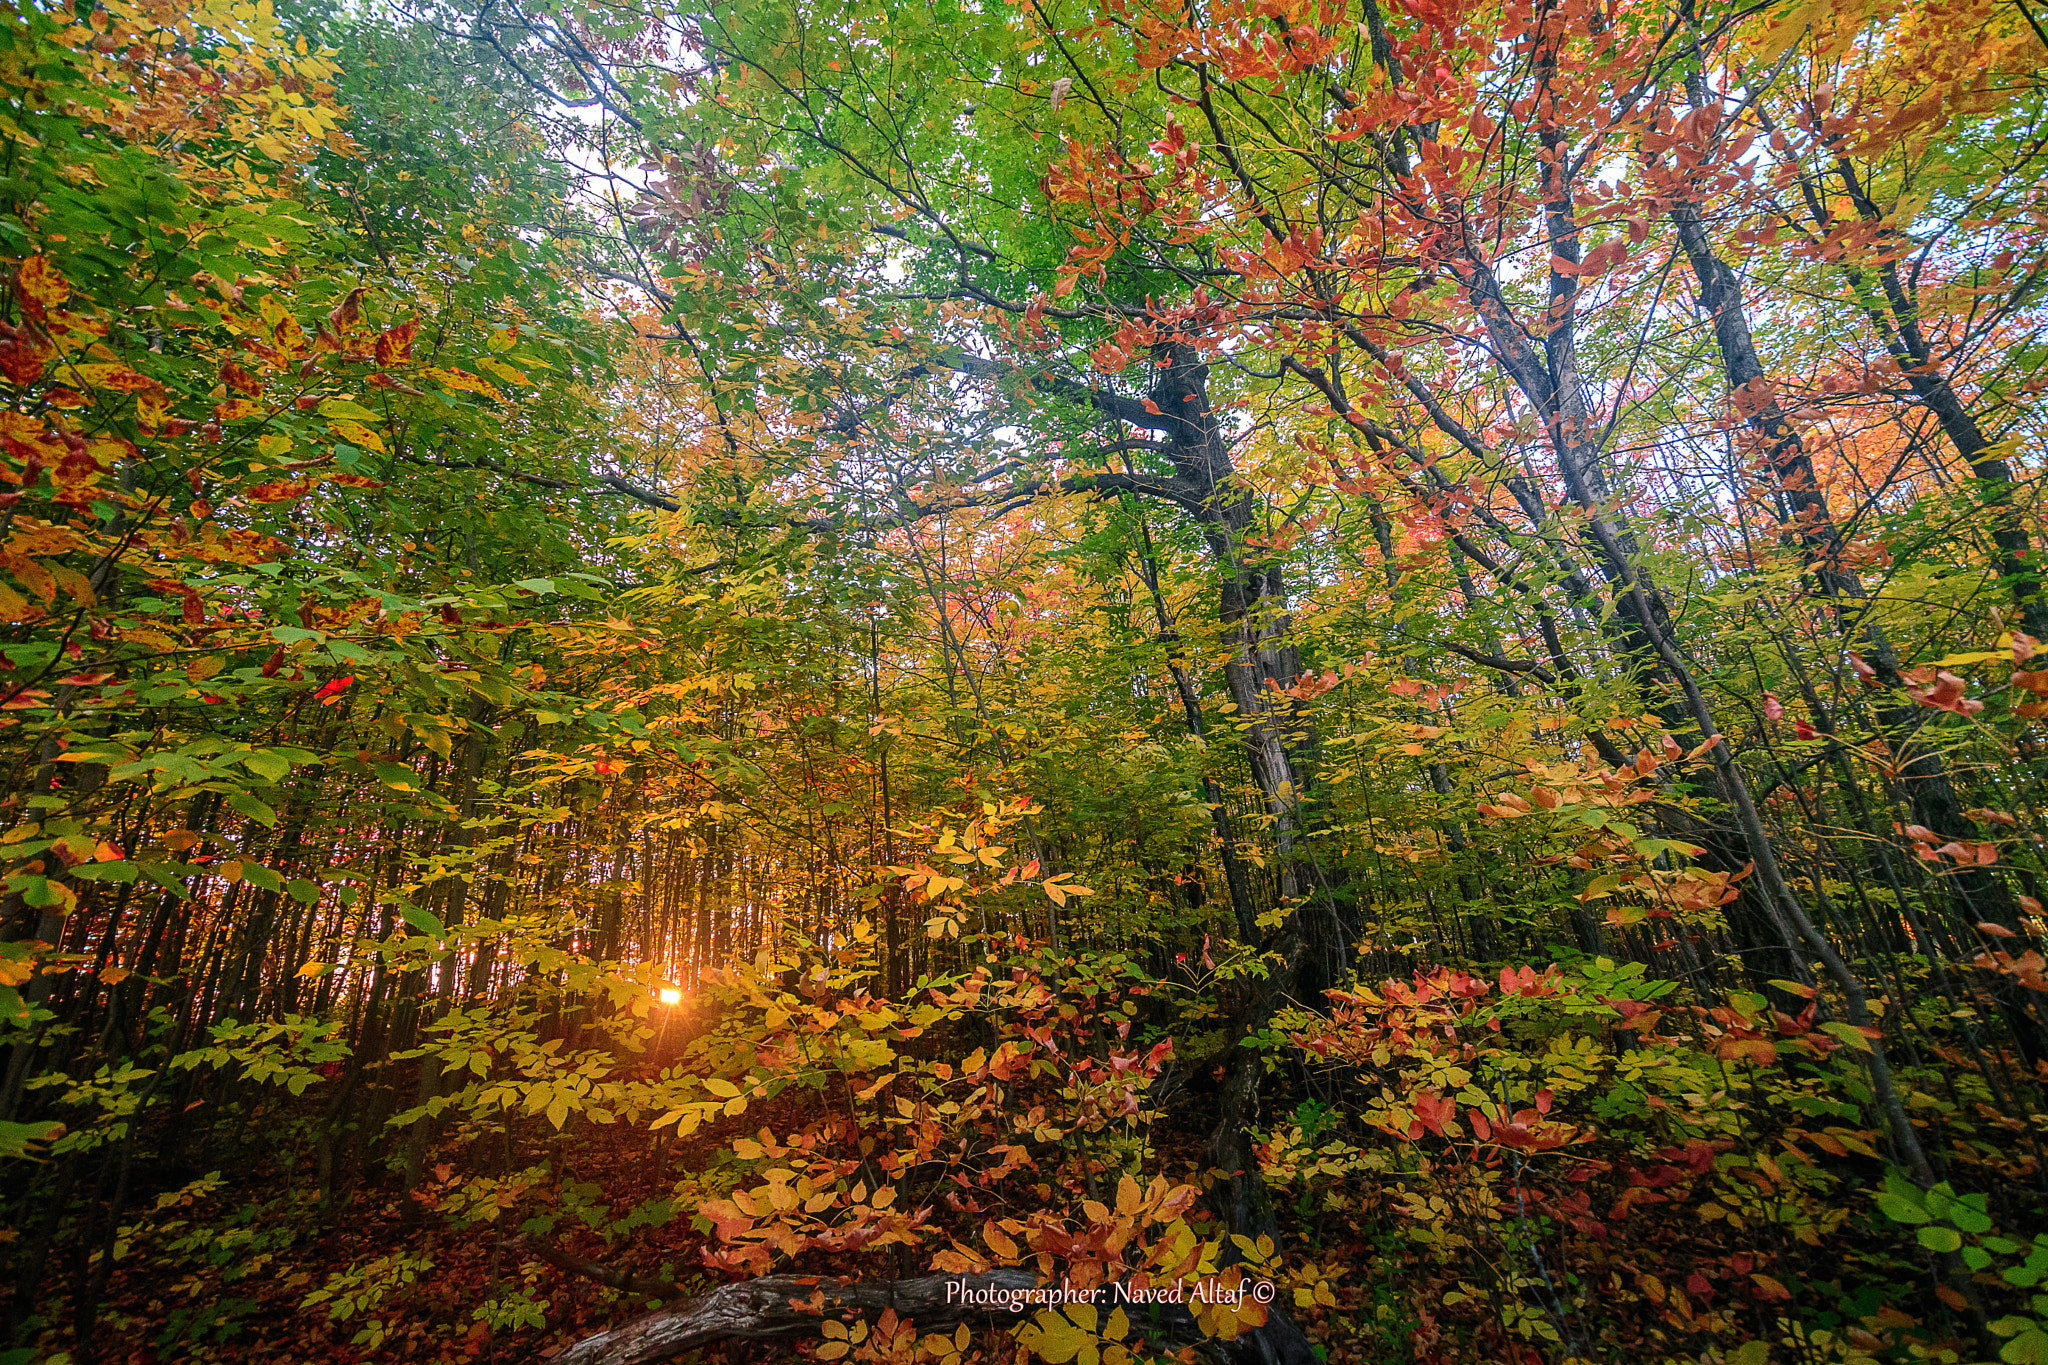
[[1392, 647]]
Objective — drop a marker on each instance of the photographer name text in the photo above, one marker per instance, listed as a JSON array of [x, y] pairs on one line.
[[1208, 1291]]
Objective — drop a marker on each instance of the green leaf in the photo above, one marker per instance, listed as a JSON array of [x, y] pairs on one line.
[[1939, 1237], [2028, 1348], [18, 1140], [423, 921], [107, 872], [250, 806], [342, 407], [1969, 1219], [1847, 1034], [268, 766], [1900, 1210], [262, 876]]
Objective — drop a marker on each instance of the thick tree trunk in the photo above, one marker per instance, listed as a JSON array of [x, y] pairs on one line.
[[1278, 737]]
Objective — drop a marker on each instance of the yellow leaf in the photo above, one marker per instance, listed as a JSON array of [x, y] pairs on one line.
[[41, 284], [356, 434], [1786, 31], [33, 576], [1060, 1336], [117, 377], [469, 383]]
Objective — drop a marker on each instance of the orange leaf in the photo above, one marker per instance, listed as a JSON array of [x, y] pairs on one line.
[[396, 344], [42, 288]]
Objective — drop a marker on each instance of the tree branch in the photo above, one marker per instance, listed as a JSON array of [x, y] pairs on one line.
[[645, 496], [590, 1270], [1116, 405]]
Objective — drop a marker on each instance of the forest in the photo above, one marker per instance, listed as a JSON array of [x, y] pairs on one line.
[[1252, 682]]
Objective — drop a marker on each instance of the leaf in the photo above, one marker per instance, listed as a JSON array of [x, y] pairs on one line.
[[1939, 1237], [1969, 1218], [40, 285], [1770, 1288], [118, 378], [395, 345], [1786, 30], [2030, 1347], [1848, 1034], [464, 381], [1060, 1335], [343, 407], [270, 766], [1900, 1210], [424, 921], [355, 433], [18, 1141]]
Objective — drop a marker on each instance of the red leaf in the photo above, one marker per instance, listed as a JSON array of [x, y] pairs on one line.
[[1946, 694], [240, 380], [396, 344]]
